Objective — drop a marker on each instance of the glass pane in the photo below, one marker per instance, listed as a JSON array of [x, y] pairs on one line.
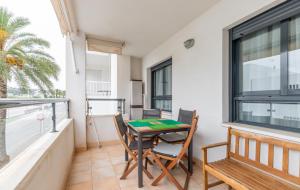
[[260, 60], [254, 112], [287, 115], [163, 104], [168, 82], [158, 77], [294, 53]]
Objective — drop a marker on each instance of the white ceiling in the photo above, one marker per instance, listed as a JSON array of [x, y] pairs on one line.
[[142, 24]]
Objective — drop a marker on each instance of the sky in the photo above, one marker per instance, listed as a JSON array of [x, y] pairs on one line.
[[45, 25]]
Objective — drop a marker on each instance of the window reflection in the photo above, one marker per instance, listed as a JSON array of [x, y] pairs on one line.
[[260, 60], [294, 54]]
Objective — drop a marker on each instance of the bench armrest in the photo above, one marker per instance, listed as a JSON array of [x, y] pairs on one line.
[[214, 145], [204, 150]]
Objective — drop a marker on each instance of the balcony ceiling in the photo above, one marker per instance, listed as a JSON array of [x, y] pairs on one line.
[[142, 24]]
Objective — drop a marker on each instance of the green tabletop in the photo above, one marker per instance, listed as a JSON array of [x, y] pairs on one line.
[[155, 124]]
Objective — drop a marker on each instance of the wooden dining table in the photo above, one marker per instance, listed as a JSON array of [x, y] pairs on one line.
[[155, 127]]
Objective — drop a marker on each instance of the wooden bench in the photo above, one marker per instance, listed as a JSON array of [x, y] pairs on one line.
[[241, 171]]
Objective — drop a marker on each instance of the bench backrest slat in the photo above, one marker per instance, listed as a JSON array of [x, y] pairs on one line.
[[242, 137]]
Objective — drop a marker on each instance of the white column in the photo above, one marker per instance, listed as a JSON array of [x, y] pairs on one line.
[[75, 86]]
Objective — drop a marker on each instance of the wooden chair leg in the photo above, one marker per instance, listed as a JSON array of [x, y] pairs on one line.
[[188, 175], [150, 162], [126, 168], [205, 179], [129, 171], [229, 187], [147, 173], [146, 163], [165, 172]]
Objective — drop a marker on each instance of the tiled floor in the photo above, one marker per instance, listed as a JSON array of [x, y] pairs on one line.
[[100, 169]]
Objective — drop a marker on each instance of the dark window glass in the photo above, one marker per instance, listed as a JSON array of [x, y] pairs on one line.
[[265, 69], [260, 60], [294, 54], [162, 86], [254, 112]]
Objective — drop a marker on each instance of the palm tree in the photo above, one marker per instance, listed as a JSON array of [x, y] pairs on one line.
[[22, 59]]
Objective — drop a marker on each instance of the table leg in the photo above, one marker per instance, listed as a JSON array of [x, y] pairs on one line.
[[140, 161], [126, 153], [190, 157]]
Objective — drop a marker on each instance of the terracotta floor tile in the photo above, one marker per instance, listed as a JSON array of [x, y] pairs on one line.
[[101, 168], [81, 167], [81, 186], [101, 163], [110, 183], [104, 172], [80, 177]]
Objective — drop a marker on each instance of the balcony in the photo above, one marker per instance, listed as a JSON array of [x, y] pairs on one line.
[[98, 88], [219, 60]]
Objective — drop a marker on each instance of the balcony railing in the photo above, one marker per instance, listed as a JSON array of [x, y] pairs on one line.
[[98, 88], [23, 121], [103, 106]]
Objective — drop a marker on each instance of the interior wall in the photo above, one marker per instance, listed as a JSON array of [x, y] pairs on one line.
[[199, 81], [123, 79], [75, 87], [136, 68], [98, 62]]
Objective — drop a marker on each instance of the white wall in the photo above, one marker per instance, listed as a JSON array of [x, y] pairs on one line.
[[123, 79], [98, 62], [200, 73], [136, 68], [44, 165], [75, 87]]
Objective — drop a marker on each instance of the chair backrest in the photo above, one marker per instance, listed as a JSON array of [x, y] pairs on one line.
[[186, 116], [151, 113], [189, 137], [120, 125], [121, 128]]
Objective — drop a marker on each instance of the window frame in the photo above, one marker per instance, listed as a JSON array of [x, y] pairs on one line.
[[280, 14], [154, 69]]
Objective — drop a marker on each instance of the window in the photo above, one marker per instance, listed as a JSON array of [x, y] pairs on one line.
[[265, 69], [162, 86]]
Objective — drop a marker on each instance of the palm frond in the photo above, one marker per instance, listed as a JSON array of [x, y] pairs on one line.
[[17, 37], [16, 24], [25, 54], [29, 43], [5, 17], [43, 64], [39, 53], [21, 79]]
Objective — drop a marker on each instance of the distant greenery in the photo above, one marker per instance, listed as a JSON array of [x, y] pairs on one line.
[[23, 57]]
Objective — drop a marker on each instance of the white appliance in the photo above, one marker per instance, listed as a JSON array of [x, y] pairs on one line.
[[136, 99]]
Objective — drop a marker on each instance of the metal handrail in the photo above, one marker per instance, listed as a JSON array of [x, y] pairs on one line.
[[121, 102], [6, 103]]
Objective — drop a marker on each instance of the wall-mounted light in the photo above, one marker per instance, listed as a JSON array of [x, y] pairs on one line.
[[189, 43]]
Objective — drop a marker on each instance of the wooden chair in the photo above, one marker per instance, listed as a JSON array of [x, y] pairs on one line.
[[132, 148], [151, 113], [173, 153], [184, 116], [242, 170]]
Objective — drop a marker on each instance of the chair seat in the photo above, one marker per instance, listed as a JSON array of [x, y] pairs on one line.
[[145, 136], [146, 145], [172, 137], [166, 149], [249, 177]]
